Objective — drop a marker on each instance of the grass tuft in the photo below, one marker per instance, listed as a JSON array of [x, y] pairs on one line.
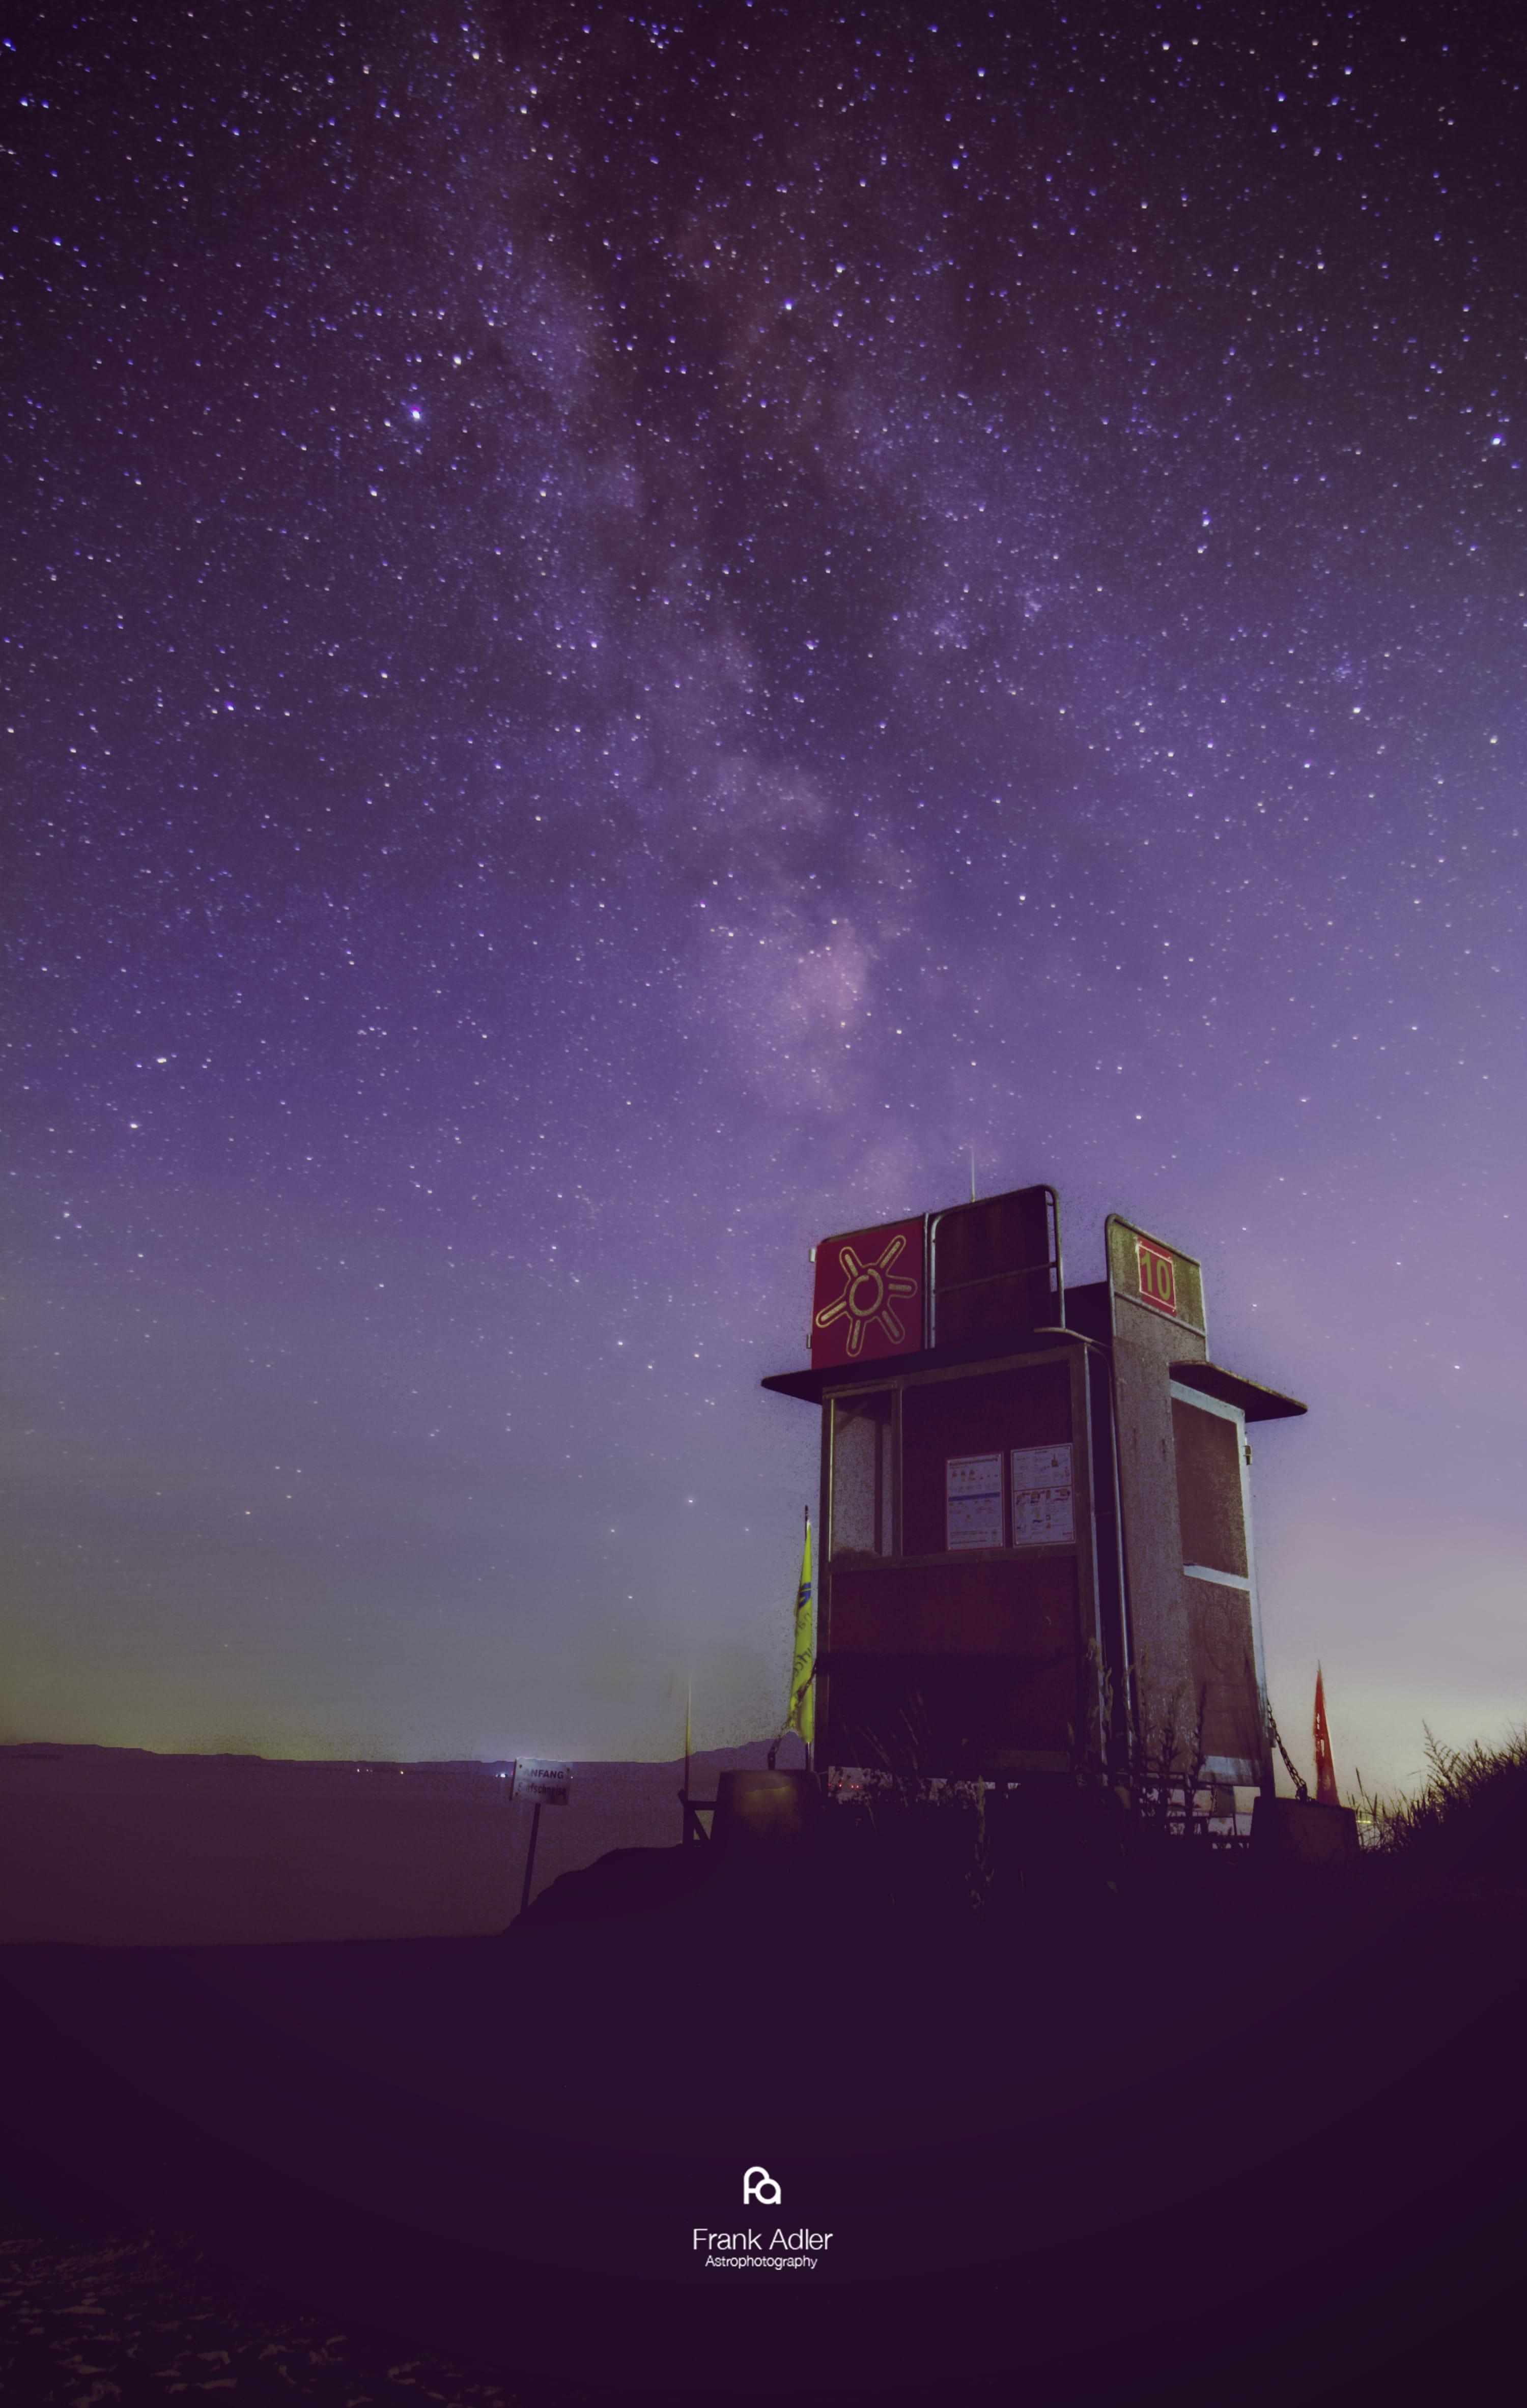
[[1468, 1823]]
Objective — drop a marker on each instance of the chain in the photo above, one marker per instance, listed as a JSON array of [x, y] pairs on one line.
[[1294, 1773]]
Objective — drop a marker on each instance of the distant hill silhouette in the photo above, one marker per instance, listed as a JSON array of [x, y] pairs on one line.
[[121, 1846]]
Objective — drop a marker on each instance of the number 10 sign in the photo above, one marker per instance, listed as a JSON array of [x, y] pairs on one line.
[[1157, 1280]]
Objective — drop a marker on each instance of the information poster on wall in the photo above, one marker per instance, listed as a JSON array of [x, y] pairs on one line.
[[973, 1500], [1044, 1510]]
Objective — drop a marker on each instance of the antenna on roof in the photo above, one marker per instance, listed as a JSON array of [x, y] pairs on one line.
[[973, 1174]]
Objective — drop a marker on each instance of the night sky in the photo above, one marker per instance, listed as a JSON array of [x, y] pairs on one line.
[[626, 634]]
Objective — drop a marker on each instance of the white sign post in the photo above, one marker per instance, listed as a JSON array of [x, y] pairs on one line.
[[541, 1785]]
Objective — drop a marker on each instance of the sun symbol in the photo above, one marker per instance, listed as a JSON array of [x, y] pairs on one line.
[[868, 1290]]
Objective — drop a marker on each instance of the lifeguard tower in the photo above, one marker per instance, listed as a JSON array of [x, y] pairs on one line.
[[1036, 1520]]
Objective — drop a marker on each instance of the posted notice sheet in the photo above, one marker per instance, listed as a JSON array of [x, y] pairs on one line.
[[973, 1500], [1043, 1515]]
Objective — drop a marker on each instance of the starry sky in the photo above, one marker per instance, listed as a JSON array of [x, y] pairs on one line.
[[628, 633]]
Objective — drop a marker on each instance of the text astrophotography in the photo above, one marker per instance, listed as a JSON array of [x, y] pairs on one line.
[[791, 2249]]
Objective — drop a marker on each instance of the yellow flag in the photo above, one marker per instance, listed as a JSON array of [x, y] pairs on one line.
[[801, 1716]]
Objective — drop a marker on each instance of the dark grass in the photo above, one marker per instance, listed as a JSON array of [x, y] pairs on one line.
[[1468, 1823], [84, 2323], [1092, 2116]]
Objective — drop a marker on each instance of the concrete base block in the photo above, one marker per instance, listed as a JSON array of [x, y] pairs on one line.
[[1297, 1832], [765, 1809]]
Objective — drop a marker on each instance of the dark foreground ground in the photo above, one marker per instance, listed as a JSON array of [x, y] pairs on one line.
[[1203, 2137], [101, 2320]]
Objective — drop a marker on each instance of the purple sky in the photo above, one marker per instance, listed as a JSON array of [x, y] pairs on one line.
[[632, 634]]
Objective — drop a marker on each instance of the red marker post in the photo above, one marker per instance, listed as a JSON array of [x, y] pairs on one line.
[[1326, 1791]]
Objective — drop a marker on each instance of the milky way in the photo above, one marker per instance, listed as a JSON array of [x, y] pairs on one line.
[[633, 636]]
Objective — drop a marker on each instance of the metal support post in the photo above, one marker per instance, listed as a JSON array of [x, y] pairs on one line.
[[530, 1859]]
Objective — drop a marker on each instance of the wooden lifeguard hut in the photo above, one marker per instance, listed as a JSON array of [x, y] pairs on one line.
[[1035, 1541]]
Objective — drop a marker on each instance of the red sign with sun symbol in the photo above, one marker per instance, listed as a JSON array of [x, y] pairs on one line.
[[869, 1295]]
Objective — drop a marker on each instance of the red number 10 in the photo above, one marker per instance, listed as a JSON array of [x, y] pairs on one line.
[[1156, 1280]]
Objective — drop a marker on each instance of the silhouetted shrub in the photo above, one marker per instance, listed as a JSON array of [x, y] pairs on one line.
[[1469, 1821]]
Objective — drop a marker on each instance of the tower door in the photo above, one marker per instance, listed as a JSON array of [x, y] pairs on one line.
[[1224, 1631]]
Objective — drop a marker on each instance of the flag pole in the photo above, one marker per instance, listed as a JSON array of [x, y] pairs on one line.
[[688, 1702], [805, 1538]]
